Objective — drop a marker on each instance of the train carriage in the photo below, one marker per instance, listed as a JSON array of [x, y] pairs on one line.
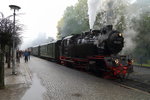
[[35, 51], [50, 51]]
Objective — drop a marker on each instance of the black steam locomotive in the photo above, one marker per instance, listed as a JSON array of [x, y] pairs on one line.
[[96, 50], [103, 42]]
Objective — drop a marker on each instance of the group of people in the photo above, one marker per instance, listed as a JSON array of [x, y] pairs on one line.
[[25, 53]]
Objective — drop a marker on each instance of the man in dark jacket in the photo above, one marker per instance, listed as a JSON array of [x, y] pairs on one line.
[[26, 54]]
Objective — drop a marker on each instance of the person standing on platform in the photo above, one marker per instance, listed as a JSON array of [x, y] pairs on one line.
[[26, 54]]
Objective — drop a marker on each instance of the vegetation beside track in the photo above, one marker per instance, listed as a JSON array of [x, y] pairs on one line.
[[142, 65]]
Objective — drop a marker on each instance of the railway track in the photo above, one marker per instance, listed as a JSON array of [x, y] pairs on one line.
[[130, 84], [134, 85], [127, 83]]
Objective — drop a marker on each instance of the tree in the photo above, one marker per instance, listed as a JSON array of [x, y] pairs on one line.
[[74, 20], [6, 35], [142, 27]]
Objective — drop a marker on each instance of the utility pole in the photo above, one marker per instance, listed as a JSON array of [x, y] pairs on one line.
[[14, 7]]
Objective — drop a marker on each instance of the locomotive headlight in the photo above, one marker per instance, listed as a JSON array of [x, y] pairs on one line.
[[132, 61], [120, 34], [117, 61]]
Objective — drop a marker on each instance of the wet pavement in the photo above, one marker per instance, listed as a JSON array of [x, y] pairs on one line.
[[36, 90], [44, 80], [16, 85]]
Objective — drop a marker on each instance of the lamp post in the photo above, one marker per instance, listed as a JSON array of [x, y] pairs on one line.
[[13, 7]]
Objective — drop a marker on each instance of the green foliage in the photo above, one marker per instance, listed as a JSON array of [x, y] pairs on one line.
[[74, 21], [142, 27]]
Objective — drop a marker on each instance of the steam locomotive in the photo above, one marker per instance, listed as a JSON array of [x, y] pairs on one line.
[[96, 50]]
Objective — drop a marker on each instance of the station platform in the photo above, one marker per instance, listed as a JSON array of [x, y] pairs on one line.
[[16, 85], [22, 76]]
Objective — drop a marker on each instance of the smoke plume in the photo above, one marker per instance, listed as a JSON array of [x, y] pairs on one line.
[[117, 13], [93, 6]]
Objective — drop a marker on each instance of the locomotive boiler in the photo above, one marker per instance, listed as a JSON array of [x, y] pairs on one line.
[[95, 42]]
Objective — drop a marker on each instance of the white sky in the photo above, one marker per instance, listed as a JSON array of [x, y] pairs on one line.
[[38, 16]]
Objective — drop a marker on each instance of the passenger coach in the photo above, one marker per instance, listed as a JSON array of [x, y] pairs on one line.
[[48, 51]]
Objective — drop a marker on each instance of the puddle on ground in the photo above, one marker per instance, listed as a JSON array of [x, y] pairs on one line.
[[36, 91]]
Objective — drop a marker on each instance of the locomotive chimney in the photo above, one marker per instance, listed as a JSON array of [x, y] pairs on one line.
[[109, 27], [91, 31]]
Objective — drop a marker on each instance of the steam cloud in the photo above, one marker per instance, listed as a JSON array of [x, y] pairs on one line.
[[132, 10], [93, 6]]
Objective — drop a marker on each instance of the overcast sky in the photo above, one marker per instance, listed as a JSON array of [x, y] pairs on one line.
[[38, 16]]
